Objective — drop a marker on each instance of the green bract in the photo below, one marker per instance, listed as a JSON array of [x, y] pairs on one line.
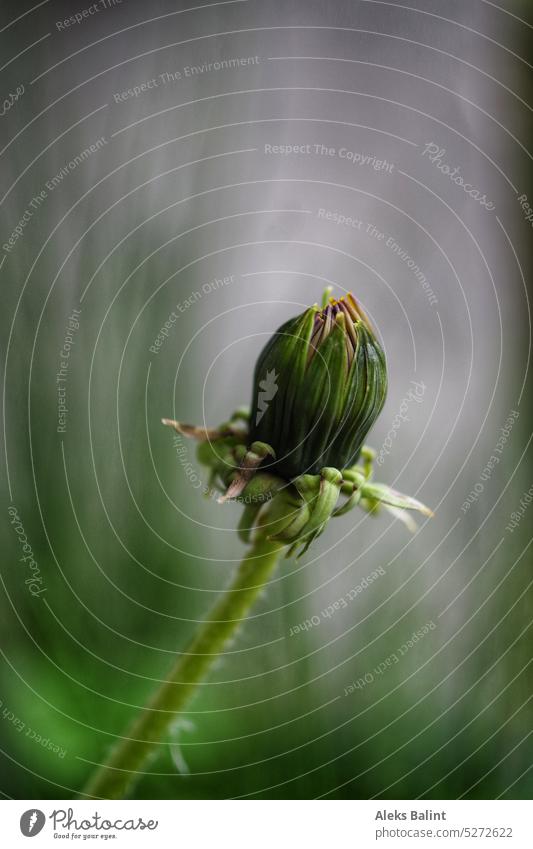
[[319, 385]]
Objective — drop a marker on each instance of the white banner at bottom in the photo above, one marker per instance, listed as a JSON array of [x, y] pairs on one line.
[[264, 824]]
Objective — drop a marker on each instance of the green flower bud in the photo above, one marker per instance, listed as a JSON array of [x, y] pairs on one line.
[[319, 385]]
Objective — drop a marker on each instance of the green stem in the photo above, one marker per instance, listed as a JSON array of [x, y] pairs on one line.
[[125, 763]]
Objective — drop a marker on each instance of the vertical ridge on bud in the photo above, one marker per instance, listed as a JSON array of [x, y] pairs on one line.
[[286, 354], [332, 384]]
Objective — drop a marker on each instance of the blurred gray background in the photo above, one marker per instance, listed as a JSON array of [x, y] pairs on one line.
[[236, 139]]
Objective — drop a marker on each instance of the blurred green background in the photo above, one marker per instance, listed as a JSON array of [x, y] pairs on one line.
[[182, 194]]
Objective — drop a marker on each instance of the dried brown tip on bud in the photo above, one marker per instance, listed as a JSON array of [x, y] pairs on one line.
[[346, 313], [202, 434]]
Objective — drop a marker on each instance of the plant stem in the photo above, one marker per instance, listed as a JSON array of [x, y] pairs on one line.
[[116, 776]]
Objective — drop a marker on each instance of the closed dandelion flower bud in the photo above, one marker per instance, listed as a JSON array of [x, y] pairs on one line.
[[319, 385]]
